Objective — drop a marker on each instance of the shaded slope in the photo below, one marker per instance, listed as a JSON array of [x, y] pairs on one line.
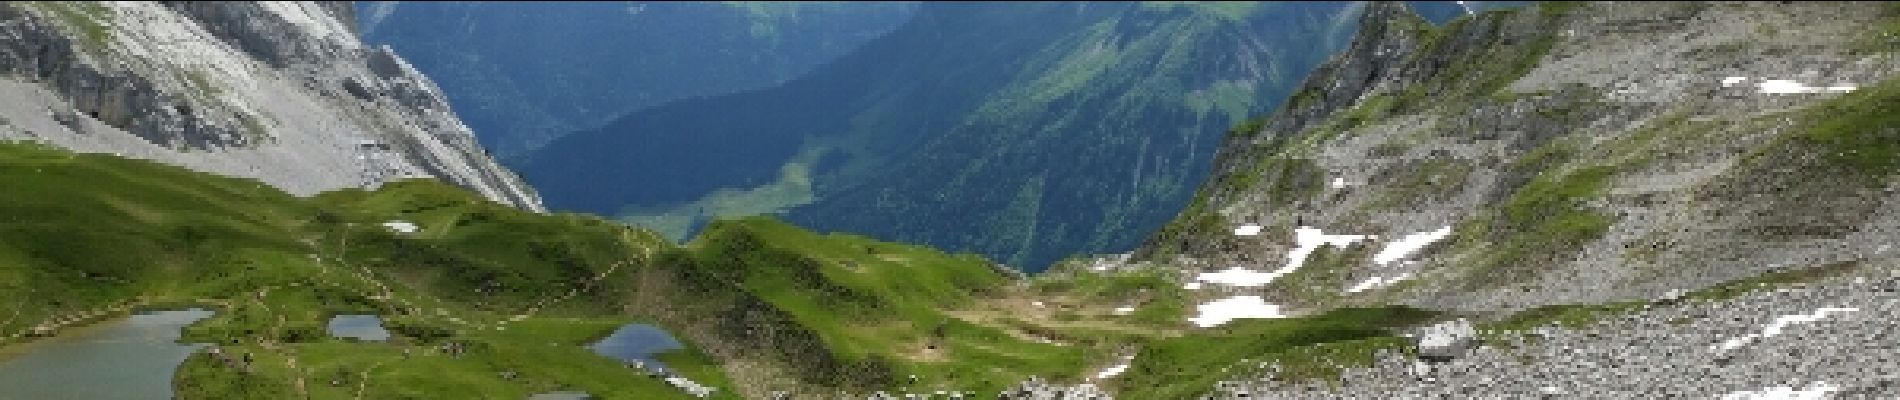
[[522, 74], [1119, 102]]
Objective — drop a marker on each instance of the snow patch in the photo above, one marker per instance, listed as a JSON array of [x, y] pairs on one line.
[[1409, 244], [1378, 282], [1308, 239], [1238, 276], [1814, 391], [1218, 312], [400, 226], [1783, 322], [1247, 230], [1116, 369], [1339, 183], [1782, 86]]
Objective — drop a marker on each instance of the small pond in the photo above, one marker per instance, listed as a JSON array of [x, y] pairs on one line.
[[359, 327], [637, 342], [131, 358]]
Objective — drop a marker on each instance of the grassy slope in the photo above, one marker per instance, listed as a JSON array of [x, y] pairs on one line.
[[879, 301], [99, 233]]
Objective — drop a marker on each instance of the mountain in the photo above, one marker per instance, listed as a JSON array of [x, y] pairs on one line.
[[1626, 200], [1560, 165], [1042, 129], [1529, 178], [524, 73], [282, 92]]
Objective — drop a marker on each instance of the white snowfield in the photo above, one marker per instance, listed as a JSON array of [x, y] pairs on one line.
[[1814, 391], [1117, 369], [1784, 86], [1377, 282], [1218, 312], [1405, 246], [1309, 239], [401, 226], [1783, 322]]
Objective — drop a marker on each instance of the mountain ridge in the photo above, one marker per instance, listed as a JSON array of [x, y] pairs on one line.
[[279, 91]]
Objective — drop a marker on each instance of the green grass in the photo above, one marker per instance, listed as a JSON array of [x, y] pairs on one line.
[[1566, 315], [1166, 304], [1188, 366], [873, 305], [1540, 222], [1858, 132], [1773, 279], [1885, 36]]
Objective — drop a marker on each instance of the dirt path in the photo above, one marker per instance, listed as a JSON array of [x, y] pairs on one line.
[[362, 381], [646, 254]]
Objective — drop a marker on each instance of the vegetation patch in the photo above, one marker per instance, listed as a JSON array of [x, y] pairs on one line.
[[1538, 224], [1188, 366], [1432, 178], [1858, 132], [1773, 279]]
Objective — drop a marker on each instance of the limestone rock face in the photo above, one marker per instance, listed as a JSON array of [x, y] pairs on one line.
[[278, 91]]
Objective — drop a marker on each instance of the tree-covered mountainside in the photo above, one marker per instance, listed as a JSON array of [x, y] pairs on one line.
[[523, 73], [1022, 131]]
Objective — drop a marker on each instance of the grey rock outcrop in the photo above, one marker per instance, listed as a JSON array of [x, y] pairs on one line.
[[1446, 341], [278, 91]]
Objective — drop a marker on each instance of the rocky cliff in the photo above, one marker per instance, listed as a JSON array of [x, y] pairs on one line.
[[279, 91], [1569, 153]]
